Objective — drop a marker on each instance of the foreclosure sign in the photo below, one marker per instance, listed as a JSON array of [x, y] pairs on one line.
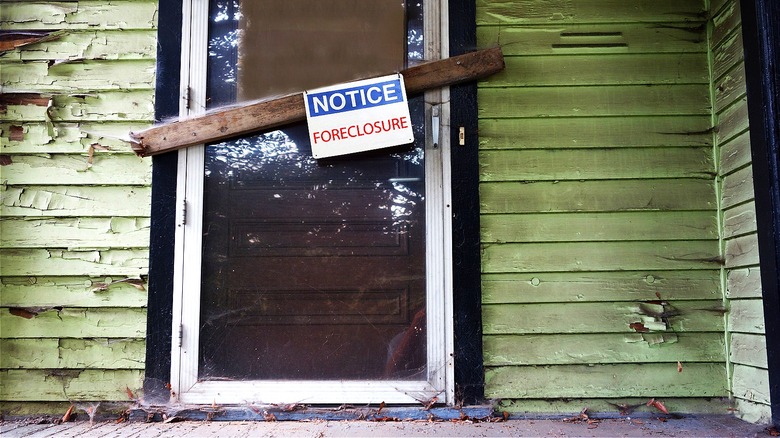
[[358, 116]]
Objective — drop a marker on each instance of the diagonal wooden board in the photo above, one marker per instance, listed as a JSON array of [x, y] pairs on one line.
[[267, 114]]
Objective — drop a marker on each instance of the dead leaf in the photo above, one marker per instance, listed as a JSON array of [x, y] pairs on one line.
[[658, 405], [381, 406], [679, 366], [268, 416], [505, 415], [130, 393], [68, 414], [772, 431], [638, 327], [429, 404]]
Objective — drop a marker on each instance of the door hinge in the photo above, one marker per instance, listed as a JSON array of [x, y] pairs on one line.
[[187, 97], [435, 125], [183, 217], [181, 334]]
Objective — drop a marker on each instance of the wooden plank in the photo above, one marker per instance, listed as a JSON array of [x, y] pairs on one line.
[[572, 406], [79, 15], [739, 220], [67, 138], [585, 227], [120, 106], [614, 317], [71, 292], [717, 5], [595, 196], [69, 385], [596, 132], [730, 87], [742, 251], [737, 187], [746, 316], [495, 12], [732, 121], [751, 412], [74, 323], [578, 164], [626, 380], [607, 69], [75, 233], [122, 262], [595, 38], [735, 153], [727, 55], [105, 169], [750, 384], [275, 112], [559, 287], [70, 77], [93, 44], [747, 349], [628, 100], [744, 283], [54, 201], [503, 350], [72, 353], [724, 22]]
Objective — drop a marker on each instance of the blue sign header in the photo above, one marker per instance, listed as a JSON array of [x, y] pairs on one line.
[[354, 98]]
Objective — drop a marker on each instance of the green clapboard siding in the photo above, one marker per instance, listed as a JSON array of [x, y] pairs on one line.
[[601, 252], [74, 243]]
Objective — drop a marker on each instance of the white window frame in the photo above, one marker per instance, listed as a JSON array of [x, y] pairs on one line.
[[186, 388]]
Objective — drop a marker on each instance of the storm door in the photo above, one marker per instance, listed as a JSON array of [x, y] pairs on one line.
[[303, 280]]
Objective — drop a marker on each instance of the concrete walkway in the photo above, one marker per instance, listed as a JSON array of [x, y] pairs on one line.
[[701, 426]]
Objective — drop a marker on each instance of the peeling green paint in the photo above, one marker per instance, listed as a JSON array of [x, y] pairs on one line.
[[79, 15]]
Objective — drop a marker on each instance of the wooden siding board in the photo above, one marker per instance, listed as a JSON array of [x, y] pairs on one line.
[[68, 138], [595, 196], [71, 77], [550, 287], [76, 45], [53, 201], [615, 317], [79, 15], [38, 261], [501, 350], [57, 353], [595, 39], [571, 70], [735, 153], [743, 283], [636, 100], [730, 87], [737, 187], [568, 406], [582, 227], [119, 106], [739, 220], [746, 316], [748, 349], [69, 385], [70, 292], [727, 55], [751, 412], [626, 380], [577, 164], [595, 132], [62, 169], [750, 384], [742, 251], [724, 22], [74, 323], [75, 233], [732, 121]]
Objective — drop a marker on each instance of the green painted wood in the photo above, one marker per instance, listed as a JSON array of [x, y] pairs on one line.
[[737, 187], [612, 69], [746, 316], [75, 233], [735, 153], [744, 283], [752, 412], [732, 121], [569, 406], [125, 262], [626, 380], [727, 55], [502, 350], [75, 323], [70, 385], [126, 106], [68, 138], [751, 384], [70, 292], [600, 256], [634, 100], [717, 5], [495, 12], [53, 201], [83, 14], [560, 287], [88, 76], [596, 132], [72, 353], [730, 87], [724, 22], [583, 227], [579, 164], [595, 39], [595, 196], [742, 251], [739, 220], [60, 169], [747, 349], [103, 44], [612, 317]]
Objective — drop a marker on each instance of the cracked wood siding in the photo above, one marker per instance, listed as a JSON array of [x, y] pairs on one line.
[[745, 323], [74, 201], [601, 256]]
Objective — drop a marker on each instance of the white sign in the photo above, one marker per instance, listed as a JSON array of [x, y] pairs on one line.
[[358, 116]]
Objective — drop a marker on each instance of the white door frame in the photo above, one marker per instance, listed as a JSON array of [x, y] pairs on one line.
[[186, 388]]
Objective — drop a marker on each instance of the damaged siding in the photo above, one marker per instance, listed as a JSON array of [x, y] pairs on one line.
[[601, 259], [745, 325], [75, 78]]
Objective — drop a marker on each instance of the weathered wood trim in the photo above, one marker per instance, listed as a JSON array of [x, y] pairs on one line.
[[72, 322], [746, 316], [42, 353], [748, 349], [750, 384], [744, 283], [272, 113], [70, 385]]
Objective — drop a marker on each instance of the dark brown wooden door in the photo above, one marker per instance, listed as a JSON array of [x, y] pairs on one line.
[[311, 269]]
